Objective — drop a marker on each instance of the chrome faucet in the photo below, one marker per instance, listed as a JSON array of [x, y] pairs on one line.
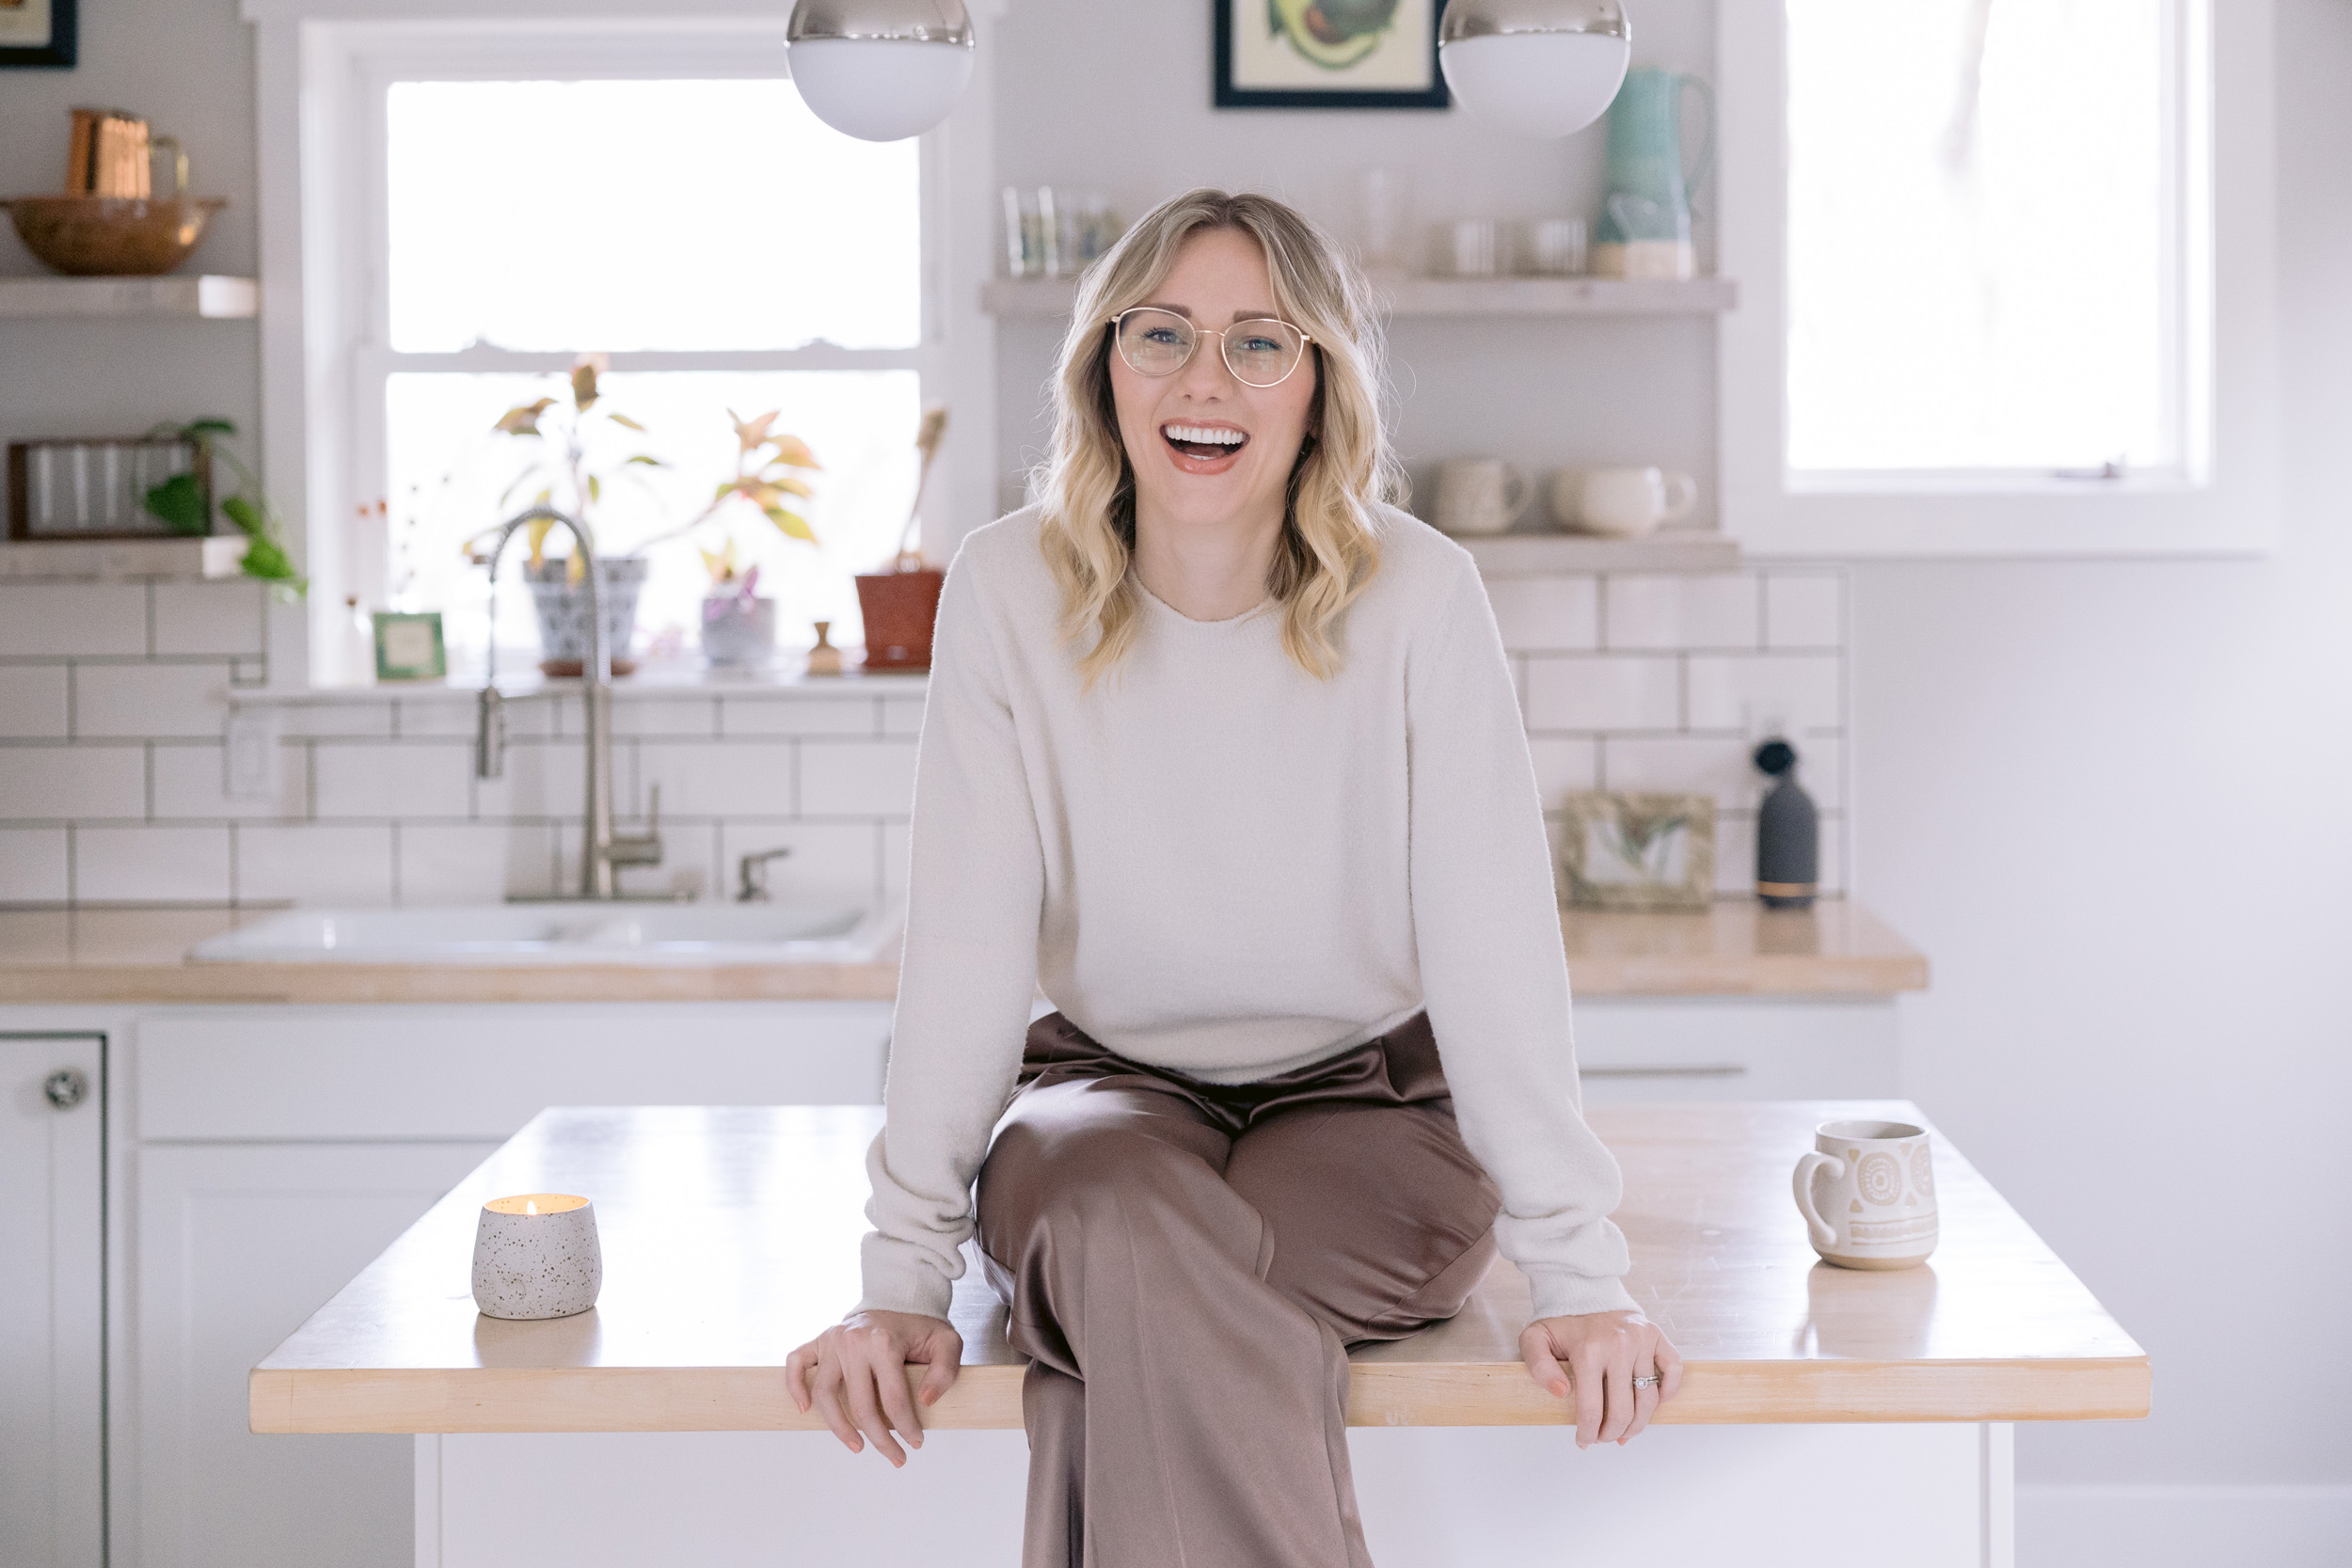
[[752, 874], [601, 850]]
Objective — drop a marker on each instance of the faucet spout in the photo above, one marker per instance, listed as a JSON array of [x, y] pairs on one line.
[[595, 852]]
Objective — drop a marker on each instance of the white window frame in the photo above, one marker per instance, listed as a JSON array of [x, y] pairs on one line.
[[326, 348], [2223, 500]]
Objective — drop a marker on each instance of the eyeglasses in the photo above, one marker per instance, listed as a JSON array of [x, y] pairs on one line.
[[1261, 352]]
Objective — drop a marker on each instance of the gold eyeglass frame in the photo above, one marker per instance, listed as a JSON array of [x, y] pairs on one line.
[[1306, 340]]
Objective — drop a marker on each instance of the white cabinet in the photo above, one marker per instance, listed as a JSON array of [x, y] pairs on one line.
[[237, 1244], [53, 1296], [281, 1147], [1651, 1048]]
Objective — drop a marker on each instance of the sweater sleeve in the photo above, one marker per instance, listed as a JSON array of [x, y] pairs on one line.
[[1494, 975], [967, 968]]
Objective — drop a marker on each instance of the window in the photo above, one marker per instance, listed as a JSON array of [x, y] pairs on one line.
[[1981, 259], [727, 253]]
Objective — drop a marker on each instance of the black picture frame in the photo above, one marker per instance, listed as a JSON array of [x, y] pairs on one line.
[[57, 55], [1227, 96]]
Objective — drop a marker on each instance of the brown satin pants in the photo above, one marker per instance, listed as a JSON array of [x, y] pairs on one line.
[[1186, 1263]]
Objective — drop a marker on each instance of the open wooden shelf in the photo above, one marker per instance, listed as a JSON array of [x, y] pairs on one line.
[[219, 555], [201, 294], [1050, 297]]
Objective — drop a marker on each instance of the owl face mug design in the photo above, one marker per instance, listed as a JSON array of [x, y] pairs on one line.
[[1868, 1194]]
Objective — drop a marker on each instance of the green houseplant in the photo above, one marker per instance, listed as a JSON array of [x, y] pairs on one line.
[[738, 628], [572, 477], [182, 504]]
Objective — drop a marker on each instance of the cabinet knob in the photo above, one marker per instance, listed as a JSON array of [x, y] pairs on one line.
[[65, 1088]]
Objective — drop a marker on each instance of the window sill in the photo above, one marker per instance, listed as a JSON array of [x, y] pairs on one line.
[[653, 682]]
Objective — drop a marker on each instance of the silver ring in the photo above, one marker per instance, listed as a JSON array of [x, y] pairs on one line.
[[1650, 1381]]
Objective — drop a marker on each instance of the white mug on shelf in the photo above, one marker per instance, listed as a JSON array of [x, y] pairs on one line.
[[1623, 503], [1479, 495], [1868, 1194]]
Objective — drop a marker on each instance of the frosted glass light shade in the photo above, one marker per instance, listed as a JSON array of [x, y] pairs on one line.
[[880, 90], [1547, 85]]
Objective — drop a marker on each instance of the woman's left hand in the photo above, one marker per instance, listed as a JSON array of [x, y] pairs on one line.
[[1596, 1356]]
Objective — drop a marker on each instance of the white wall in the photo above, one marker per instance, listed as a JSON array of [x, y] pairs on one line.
[[2109, 799]]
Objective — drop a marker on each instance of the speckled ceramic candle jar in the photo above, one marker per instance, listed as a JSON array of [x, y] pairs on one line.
[[535, 1255]]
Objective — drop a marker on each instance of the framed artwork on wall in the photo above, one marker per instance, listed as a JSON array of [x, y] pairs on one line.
[[1329, 54], [37, 33]]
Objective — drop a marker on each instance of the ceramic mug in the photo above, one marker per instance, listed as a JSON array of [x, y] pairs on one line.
[[1868, 1194], [1624, 504], [1479, 495]]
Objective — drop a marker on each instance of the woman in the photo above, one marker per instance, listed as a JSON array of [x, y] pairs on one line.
[[1223, 753]]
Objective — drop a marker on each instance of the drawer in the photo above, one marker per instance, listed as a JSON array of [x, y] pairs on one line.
[[1736, 1048], [389, 1071]]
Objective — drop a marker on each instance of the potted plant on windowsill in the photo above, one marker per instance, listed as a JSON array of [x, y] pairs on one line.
[[901, 604], [564, 466], [738, 627]]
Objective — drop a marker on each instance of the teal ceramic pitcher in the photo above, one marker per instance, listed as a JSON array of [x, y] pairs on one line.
[[1644, 230]]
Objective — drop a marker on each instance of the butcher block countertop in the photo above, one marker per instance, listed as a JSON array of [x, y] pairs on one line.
[[1734, 948], [730, 1236]]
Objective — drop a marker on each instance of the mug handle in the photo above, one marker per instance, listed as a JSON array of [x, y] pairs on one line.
[[1516, 494], [1682, 493], [179, 162], [1814, 1160]]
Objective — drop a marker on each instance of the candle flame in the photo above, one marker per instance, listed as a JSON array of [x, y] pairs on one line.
[[530, 1206]]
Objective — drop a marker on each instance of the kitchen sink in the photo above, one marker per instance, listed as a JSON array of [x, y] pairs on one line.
[[581, 933]]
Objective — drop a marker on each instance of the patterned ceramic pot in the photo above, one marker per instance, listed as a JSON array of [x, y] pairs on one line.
[[739, 632], [535, 1255], [562, 607]]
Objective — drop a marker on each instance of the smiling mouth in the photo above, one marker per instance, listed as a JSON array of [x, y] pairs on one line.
[[1204, 441]]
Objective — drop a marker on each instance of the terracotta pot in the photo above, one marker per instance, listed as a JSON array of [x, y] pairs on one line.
[[112, 236], [900, 609]]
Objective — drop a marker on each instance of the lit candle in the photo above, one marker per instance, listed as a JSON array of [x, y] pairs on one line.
[[535, 1255]]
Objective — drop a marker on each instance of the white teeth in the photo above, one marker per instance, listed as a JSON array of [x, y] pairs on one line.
[[1204, 433]]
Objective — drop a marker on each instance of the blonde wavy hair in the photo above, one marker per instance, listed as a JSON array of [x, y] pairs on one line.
[[1329, 545]]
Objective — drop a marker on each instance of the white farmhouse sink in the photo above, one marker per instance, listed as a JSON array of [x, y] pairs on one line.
[[564, 934]]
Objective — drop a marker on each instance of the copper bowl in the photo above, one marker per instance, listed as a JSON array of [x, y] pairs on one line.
[[112, 236]]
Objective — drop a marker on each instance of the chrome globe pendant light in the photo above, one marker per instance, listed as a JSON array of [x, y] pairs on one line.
[[1545, 68], [880, 70]]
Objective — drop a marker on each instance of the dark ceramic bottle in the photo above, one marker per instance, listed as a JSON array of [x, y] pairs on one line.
[[1788, 834]]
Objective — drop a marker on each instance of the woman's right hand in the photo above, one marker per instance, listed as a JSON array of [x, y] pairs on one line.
[[854, 1374]]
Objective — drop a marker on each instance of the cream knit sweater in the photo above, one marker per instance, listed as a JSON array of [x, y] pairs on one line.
[[1216, 863]]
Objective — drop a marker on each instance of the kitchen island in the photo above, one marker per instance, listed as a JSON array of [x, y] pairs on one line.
[[1820, 1406]]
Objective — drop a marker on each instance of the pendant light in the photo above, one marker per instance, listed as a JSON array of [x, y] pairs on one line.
[[1545, 68], [880, 70]]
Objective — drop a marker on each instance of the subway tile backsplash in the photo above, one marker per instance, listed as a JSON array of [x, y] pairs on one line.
[[114, 699]]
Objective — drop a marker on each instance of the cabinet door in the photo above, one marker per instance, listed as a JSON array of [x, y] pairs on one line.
[[53, 1295], [237, 1244]]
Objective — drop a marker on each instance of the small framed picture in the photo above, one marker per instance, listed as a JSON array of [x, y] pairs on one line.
[[37, 33], [409, 648], [1639, 851], [1329, 54]]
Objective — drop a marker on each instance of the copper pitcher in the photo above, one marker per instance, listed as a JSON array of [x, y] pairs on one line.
[[112, 154]]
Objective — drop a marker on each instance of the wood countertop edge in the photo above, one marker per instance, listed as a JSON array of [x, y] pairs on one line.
[[1593, 978], [752, 1399]]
